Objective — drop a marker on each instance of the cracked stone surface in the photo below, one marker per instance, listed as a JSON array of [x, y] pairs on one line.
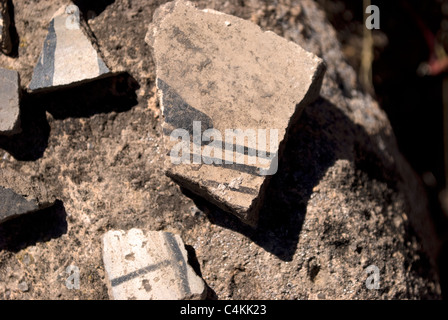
[[21, 194], [5, 38], [9, 102], [149, 265], [215, 73], [69, 54]]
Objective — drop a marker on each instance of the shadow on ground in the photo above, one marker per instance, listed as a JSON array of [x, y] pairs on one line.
[[13, 31], [194, 263], [322, 135], [96, 6], [29, 229], [30, 144], [114, 93]]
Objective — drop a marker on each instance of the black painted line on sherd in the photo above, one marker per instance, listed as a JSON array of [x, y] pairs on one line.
[[44, 70], [252, 170], [178, 113], [178, 262], [117, 281], [235, 148]]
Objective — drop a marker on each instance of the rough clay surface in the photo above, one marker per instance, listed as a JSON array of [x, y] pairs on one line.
[[68, 55], [343, 198], [149, 266], [264, 85], [9, 102], [5, 37]]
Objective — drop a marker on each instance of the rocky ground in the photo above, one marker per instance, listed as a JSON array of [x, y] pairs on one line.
[[344, 198]]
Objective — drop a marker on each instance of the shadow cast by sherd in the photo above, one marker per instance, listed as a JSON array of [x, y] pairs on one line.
[[29, 229], [31, 142], [15, 39], [194, 263], [96, 6], [113, 93], [313, 145]]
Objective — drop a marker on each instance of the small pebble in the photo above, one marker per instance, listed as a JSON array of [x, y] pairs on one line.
[[23, 286]]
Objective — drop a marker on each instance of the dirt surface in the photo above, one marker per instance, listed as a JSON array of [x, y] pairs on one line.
[[343, 199]]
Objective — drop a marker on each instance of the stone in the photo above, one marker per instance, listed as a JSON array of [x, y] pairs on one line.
[[20, 195], [151, 265], [232, 78], [23, 286], [5, 37], [69, 55], [9, 102]]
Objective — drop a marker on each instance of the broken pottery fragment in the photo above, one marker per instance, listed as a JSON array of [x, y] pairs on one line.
[[150, 265], [229, 93], [69, 55]]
